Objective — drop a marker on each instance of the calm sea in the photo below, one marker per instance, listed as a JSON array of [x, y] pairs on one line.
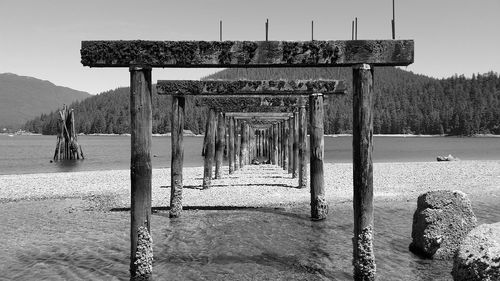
[[32, 154]]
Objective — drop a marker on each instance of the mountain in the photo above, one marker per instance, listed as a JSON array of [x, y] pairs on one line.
[[404, 103], [23, 98]]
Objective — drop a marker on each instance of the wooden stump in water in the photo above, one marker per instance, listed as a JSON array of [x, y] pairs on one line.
[[67, 147]]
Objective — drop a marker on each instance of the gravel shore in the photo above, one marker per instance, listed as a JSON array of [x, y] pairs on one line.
[[256, 186]]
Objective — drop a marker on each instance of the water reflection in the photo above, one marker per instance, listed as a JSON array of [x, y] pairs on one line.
[[67, 165]]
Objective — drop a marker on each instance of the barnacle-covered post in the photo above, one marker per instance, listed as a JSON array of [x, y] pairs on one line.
[[319, 207], [141, 250], [177, 162], [362, 147]]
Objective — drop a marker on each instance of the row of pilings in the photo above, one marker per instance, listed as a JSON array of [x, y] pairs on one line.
[[243, 142]]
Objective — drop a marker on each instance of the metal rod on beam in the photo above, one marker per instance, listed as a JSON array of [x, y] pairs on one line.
[[356, 29], [312, 30], [267, 29], [393, 21]]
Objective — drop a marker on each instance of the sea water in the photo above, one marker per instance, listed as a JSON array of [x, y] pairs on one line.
[[257, 244], [32, 154]]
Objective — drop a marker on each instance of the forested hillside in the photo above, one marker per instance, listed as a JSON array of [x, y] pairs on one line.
[[404, 103]]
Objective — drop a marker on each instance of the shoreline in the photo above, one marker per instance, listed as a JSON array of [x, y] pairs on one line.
[[255, 186]]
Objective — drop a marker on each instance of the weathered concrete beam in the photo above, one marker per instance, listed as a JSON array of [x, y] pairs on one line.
[[246, 53], [250, 88]]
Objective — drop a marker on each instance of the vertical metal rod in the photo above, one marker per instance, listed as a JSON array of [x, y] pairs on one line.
[[267, 29], [312, 30], [356, 29], [393, 21], [352, 31], [220, 31]]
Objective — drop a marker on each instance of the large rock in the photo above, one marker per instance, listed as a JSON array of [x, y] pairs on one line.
[[442, 220], [478, 257]]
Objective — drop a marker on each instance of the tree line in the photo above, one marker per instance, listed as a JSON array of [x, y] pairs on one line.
[[405, 103]]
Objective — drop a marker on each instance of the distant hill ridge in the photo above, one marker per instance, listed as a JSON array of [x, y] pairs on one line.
[[23, 98], [404, 103]]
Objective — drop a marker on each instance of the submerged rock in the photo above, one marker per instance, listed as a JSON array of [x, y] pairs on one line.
[[478, 257], [442, 220], [447, 158]]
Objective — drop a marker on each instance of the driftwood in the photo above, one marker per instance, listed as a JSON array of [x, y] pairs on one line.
[[67, 147]]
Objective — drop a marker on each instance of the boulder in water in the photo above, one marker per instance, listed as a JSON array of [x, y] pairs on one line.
[[255, 162], [447, 158], [442, 220], [478, 257]]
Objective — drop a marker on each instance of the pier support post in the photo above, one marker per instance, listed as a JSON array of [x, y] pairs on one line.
[[244, 144], [302, 146], [275, 144], [178, 104], [285, 145], [295, 144], [362, 144], [231, 146], [209, 149], [237, 144], [219, 144], [141, 126], [319, 206], [290, 145], [279, 160]]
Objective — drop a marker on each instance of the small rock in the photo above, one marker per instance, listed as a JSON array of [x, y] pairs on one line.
[[442, 220], [478, 257], [255, 162], [447, 158]]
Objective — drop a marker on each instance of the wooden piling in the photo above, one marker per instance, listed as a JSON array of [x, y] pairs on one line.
[[178, 105], [295, 144], [209, 149], [231, 147], [141, 250], [362, 144], [219, 144], [237, 142], [290, 145], [285, 145], [244, 144], [302, 146], [319, 207], [275, 144], [278, 127]]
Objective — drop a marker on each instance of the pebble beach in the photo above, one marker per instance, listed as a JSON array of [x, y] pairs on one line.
[[255, 185]]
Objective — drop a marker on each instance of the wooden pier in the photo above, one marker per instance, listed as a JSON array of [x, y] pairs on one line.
[[141, 56]]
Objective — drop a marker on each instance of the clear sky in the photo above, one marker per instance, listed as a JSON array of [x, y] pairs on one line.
[[41, 38]]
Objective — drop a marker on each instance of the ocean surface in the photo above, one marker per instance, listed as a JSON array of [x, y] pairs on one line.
[[32, 154]]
